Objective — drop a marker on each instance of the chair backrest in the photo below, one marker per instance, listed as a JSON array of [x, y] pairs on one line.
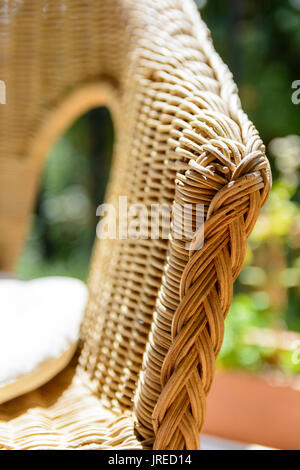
[[155, 319]]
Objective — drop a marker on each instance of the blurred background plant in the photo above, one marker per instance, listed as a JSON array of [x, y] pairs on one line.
[[260, 42]]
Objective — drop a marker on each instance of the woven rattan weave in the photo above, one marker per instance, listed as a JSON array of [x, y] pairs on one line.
[[155, 319]]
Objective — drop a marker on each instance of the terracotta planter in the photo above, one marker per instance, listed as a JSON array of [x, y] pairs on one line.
[[255, 409]]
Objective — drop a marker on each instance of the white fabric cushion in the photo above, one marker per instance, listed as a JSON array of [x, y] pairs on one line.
[[39, 329]]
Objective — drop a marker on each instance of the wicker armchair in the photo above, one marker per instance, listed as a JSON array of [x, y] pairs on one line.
[[155, 318]]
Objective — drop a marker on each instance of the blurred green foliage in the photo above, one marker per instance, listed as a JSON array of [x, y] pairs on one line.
[[260, 42], [73, 185]]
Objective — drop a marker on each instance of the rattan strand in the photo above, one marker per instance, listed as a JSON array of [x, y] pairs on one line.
[[181, 137]]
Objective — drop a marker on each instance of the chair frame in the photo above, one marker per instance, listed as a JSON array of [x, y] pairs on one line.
[[154, 323]]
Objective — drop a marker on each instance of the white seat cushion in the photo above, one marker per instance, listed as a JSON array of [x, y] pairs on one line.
[[39, 330]]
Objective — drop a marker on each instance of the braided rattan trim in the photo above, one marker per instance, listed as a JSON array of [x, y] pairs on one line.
[[226, 170]]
